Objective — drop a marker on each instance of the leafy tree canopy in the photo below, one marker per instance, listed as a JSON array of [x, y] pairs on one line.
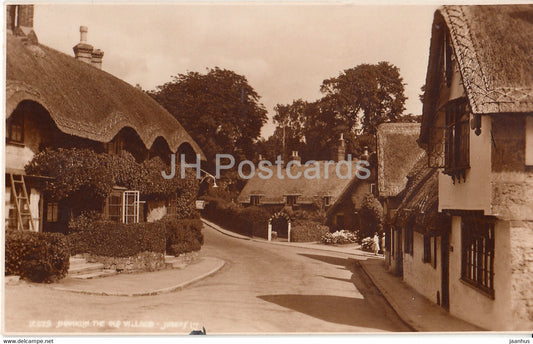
[[219, 109]]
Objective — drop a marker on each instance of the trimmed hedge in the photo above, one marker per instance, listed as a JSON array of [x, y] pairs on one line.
[[307, 231], [183, 236], [113, 239], [250, 221], [38, 257]]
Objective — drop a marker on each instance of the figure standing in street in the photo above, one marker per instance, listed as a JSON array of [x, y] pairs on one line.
[[375, 245]]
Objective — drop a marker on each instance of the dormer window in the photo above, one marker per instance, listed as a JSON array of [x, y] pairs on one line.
[[15, 129], [292, 199], [255, 199], [327, 201], [457, 139]]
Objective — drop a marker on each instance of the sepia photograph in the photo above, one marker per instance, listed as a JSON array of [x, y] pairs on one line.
[[267, 168]]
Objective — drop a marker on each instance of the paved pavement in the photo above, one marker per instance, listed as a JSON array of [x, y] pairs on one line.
[[416, 310], [142, 284], [262, 288]]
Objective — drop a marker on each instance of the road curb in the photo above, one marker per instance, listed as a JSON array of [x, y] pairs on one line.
[[390, 300], [177, 287]]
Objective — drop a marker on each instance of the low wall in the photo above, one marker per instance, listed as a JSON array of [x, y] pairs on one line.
[[145, 261]]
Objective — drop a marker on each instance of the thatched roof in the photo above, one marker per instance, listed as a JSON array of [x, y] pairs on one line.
[[273, 190], [493, 46], [83, 100], [397, 152], [420, 200]]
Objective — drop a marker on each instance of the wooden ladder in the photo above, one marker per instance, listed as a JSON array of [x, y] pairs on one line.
[[22, 203]]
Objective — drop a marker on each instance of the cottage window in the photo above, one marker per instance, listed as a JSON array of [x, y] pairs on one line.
[[52, 212], [327, 201], [123, 206], [477, 262], [172, 206], [457, 140], [292, 199], [15, 129], [255, 200]]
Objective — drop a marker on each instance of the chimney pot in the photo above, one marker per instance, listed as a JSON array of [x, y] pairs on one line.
[[83, 34]]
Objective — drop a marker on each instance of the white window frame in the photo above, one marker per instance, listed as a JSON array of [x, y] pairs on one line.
[[126, 196]]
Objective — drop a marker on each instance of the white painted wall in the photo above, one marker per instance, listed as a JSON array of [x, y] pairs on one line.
[[156, 211], [423, 277], [474, 193], [468, 303]]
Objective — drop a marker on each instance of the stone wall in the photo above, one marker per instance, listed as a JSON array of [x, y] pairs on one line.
[[145, 261], [522, 274]]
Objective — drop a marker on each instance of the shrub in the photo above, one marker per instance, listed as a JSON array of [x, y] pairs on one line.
[[182, 236], [112, 239], [306, 231], [251, 221], [39, 257], [339, 238], [367, 244], [372, 215]]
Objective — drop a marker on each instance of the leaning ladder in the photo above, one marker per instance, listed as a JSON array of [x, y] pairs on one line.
[[22, 202]]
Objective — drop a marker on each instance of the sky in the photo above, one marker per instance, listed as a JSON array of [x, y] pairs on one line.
[[285, 50]]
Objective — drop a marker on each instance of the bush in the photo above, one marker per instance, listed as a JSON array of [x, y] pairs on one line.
[[340, 238], [182, 236], [112, 239], [367, 244], [251, 221], [306, 231], [371, 215], [39, 257]]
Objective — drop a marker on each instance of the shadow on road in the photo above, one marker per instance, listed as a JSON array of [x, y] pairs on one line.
[[336, 309], [327, 259]]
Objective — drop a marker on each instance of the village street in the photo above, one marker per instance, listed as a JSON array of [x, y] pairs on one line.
[[262, 288]]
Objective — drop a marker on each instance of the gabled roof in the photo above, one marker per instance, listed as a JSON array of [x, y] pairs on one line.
[[493, 46], [83, 100], [273, 190], [397, 153]]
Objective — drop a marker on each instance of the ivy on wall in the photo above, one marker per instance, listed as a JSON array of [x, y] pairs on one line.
[[86, 178]]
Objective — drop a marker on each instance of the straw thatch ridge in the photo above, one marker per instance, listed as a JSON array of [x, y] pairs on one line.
[[273, 190], [397, 153], [493, 46], [83, 100]]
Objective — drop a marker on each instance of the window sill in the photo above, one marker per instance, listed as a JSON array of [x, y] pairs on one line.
[[486, 292]]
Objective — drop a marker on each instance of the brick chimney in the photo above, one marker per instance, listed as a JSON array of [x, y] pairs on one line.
[[96, 58], [82, 50], [19, 21], [341, 149]]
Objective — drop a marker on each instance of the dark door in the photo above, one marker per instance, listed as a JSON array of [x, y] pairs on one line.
[[281, 226], [399, 255], [445, 257]]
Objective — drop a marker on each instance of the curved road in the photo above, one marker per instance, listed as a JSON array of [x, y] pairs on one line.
[[263, 288]]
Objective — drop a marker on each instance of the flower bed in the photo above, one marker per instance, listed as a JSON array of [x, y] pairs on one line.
[[341, 237]]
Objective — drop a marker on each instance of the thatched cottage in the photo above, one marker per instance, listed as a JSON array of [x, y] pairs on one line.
[[477, 129], [397, 154], [55, 100]]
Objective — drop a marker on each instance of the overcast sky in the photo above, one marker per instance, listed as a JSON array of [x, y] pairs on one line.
[[284, 50]]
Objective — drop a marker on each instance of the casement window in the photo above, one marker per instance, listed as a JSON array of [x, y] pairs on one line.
[[172, 206], [123, 206], [477, 250], [292, 199], [457, 140], [255, 200], [115, 147], [408, 240], [15, 129], [52, 212]]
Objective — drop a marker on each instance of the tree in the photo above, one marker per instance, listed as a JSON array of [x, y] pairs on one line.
[[371, 215], [367, 95], [219, 109]]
